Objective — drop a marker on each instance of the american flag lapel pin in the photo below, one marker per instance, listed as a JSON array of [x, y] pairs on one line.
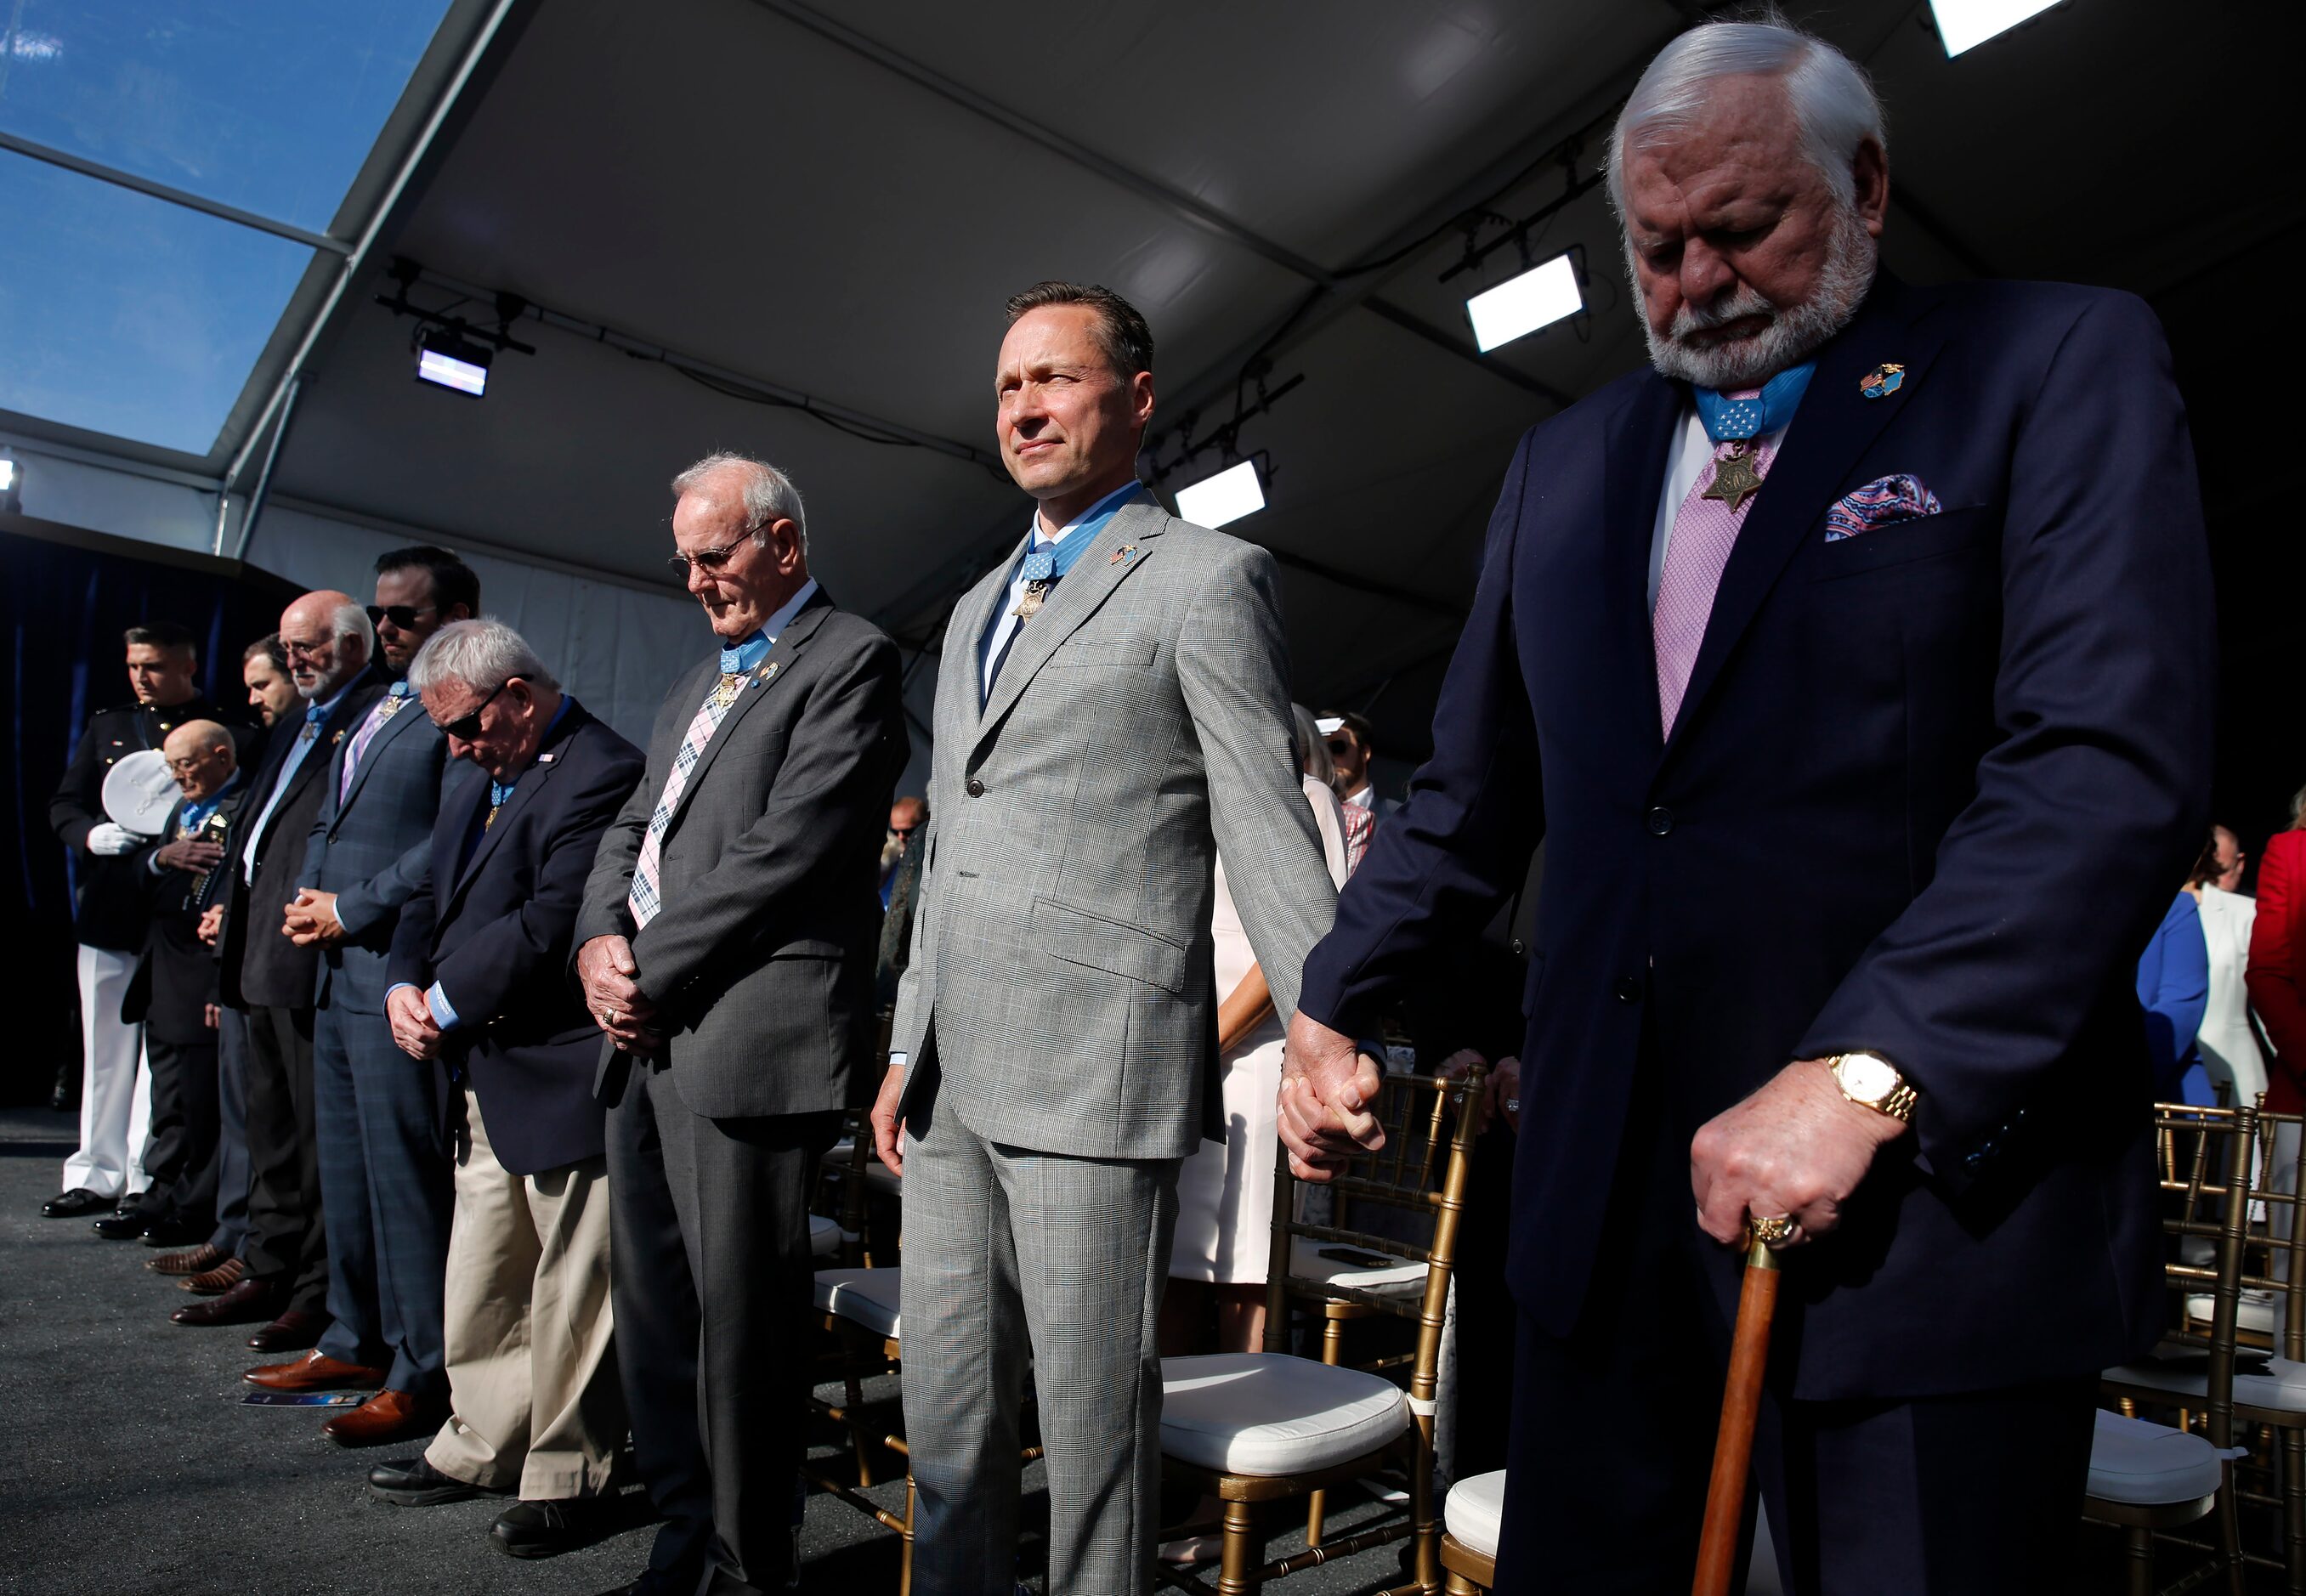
[[1124, 555]]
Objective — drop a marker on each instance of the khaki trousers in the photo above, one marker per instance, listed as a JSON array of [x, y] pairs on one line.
[[534, 1402]]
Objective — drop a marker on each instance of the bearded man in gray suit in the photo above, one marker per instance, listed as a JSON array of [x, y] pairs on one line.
[[1113, 711]]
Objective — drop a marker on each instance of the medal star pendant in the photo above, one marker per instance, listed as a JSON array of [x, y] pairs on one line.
[[1037, 593], [1735, 479]]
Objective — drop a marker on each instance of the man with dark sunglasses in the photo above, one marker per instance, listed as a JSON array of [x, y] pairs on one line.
[[419, 590]]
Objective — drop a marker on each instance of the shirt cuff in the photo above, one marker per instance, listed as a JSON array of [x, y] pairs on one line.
[[443, 1012], [899, 1059]]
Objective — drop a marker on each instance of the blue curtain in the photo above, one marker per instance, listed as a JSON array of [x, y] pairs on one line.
[[67, 605]]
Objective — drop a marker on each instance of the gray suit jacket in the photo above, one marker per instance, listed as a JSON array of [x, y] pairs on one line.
[[1059, 996], [372, 850], [760, 960]]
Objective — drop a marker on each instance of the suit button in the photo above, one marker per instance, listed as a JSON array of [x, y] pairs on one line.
[[1629, 990], [1659, 820], [976, 788]]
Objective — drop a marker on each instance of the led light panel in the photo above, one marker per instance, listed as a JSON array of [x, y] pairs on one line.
[[1519, 306], [1228, 496]]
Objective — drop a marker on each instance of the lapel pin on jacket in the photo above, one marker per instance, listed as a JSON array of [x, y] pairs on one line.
[[1124, 555], [767, 673], [1883, 380]]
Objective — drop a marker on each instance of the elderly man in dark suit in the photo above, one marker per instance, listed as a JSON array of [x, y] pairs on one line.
[[1858, 659], [480, 981], [328, 646], [726, 947], [173, 993], [387, 1186]]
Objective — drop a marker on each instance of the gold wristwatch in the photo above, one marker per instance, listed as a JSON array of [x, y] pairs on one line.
[[1872, 1080]]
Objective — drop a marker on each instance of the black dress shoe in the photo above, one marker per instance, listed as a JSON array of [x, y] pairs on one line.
[[74, 1204], [415, 1482], [544, 1529], [293, 1331], [173, 1232], [252, 1302], [124, 1226]]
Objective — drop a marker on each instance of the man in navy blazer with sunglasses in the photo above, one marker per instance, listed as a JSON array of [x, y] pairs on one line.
[[1860, 656]]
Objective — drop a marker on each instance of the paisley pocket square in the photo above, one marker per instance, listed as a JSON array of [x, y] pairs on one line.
[[1899, 497]]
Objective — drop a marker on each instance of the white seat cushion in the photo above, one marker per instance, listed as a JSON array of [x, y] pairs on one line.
[[824, 1235], [1267, 1414], [876, 1173], [1474, 1510], [2280, 1389], [2149, 1464], [867, 1297], [2256, 1313], [1396, 1276]]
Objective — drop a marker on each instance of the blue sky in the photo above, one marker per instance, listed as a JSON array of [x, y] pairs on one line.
[[133, 317]]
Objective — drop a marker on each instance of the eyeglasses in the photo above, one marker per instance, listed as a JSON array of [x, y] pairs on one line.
[[903, 831], [185, 767], [305, 651], [465, 727], [402, 616], [1339, 744], [709, 559]]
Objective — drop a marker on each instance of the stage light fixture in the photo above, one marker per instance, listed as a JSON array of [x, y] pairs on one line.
[[446, 358], [7, 474], [1965, 24], [1519, 306], [1228, 496]]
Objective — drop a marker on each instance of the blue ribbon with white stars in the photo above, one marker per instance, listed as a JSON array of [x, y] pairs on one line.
[[1736, 420]]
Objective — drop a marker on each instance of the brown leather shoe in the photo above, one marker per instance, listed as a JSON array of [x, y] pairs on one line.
[[250, 1303], [215, 1281], [314, 1372], [387, 1416], [292, 1332], [191, 1262]]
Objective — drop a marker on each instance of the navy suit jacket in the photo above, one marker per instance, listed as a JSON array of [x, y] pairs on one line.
[[1926, 795], [369, 845], [490, 920]]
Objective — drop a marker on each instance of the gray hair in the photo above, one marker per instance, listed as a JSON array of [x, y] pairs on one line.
[[1313, 748], [1836, 105], [770, 496], [482, 655], [350, 620]]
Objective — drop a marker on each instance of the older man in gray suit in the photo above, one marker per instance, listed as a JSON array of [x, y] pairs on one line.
[[726, 946], [1113, 711]]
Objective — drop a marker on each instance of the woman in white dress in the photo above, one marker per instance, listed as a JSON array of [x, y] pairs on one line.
[[2227, 1042], [1224, 1191]]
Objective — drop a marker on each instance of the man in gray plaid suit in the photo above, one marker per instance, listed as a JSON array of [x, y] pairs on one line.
[[1113, 711]]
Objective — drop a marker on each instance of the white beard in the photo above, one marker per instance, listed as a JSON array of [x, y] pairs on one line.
[[1791, 335]]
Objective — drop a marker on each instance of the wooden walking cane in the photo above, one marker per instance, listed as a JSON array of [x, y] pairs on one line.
[[1741, 1404]]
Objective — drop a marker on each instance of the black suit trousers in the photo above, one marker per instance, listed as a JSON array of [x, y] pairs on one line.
[[286, 1243], [180, 1159], [1975, 1494], [712, 1295]]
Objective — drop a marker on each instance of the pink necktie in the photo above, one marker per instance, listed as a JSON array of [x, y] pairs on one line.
[[1704, 531], [646, 897]]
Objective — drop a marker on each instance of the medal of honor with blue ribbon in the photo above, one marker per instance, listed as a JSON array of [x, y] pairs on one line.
[[1739, 421]]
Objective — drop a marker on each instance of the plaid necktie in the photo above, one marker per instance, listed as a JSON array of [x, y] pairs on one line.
[[644, 898], [1704, 531]]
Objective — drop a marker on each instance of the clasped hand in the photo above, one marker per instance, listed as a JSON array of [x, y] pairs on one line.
[[1327, 1086], [613, 992], [1797, 1148], [312, 919], [413, 1030]]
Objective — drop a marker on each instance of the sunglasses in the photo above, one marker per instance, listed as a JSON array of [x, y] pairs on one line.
[[465, 727], [402, 616], [707, 559], [902, 831]]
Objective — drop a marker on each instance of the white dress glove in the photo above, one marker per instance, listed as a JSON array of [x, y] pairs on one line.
[[110, 840]]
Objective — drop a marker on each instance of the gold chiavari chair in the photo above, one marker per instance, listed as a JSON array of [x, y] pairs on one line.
[[2147, 1480], [1470, 1520], [2269, 1381], [1251, 1428]]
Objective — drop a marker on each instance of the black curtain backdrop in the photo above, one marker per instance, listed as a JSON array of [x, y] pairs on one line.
[[70, 594]]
